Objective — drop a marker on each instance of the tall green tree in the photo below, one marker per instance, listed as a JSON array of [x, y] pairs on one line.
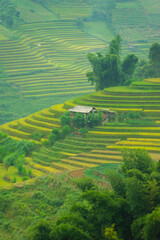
[[108, 70], [154, 57]]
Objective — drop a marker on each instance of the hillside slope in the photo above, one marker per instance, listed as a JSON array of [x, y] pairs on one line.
[[102, 144], [44, 58]]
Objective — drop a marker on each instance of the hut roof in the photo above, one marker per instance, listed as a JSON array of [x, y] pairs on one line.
[[82, 109]]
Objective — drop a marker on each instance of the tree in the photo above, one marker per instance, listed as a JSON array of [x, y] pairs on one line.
[[19, 164], [68, 232], [151, 229], [85, 183], [129, 64], [108, 70], [137, 196], [102, 211], [154, 56], [138, 159], [117, 181], [40, 232], [65, 119], [115, 45], [10, 160], [79, 120]]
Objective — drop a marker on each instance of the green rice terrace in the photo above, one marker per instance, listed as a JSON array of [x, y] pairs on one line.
[[44, 57], [101, 144]]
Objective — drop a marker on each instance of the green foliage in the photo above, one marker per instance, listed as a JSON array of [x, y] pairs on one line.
[[2, 135], [90, 120], [108, 70], [10, 17], [10, 160], [129, 64], [151, 229], [40, 232], [136, 196], [117, 181], [65, 119], [138, 159], [79, 120], [37, 136], [65, 131], [102, 212], [54, 136], [115, 46], [154, 56], [19, 164], [110, 233], [150, 68], [67, 232], [93, 119], [85, 183], [12, 150], [83, 131]]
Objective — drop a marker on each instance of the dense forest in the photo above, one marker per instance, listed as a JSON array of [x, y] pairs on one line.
[[125, 206]]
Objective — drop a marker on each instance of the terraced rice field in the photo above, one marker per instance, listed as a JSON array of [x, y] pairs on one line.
[[100, 145], [138, 24], [51, 57]]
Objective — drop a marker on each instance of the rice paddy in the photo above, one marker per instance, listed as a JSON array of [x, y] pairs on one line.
[[46, 65]]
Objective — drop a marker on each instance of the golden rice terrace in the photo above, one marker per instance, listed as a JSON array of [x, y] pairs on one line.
[[102, 144]]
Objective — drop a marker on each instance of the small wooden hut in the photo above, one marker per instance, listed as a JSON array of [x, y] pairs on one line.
[[82, 109]]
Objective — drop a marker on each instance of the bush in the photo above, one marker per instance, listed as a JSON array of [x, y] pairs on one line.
[[37, 136], [52, 138], [65, 119], [65, 131], [14, 180], [83, 130], [79, 120]]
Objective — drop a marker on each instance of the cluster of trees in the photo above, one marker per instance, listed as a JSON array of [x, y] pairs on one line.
[[151, 67], [9, 16], [12, 153], [80, 121], [110, 70], [129, 210]]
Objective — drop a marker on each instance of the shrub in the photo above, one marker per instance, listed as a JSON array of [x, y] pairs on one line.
[[65, 131], [37, 136], [83, 130], [52, 138], [25, 178], [79, 120], [65, 119], [14, 180]]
